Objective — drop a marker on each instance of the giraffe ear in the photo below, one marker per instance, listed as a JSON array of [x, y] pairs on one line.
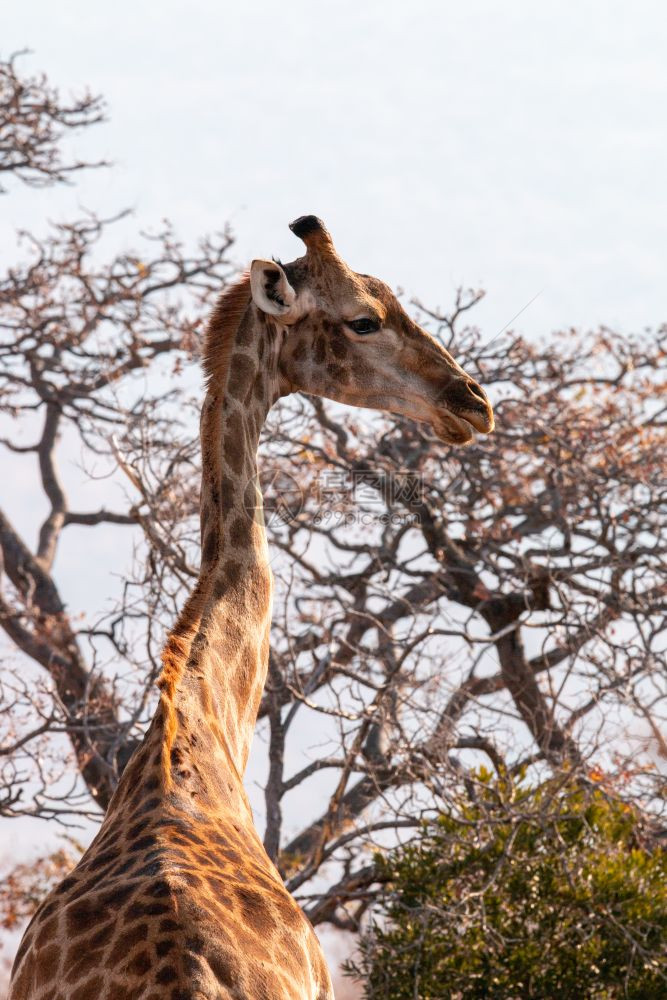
[[271, 291]]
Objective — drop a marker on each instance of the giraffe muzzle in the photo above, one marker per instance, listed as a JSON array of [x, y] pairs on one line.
[[465, 399]]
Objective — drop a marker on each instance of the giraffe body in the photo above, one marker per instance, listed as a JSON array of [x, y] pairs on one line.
[[176, 897], [182, 904]]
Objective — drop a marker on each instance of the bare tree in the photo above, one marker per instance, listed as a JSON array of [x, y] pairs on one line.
[[33, 121], [79, 334], [434, 607], [505, 602]]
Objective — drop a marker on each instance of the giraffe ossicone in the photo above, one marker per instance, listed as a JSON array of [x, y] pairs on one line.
[[176, 897]]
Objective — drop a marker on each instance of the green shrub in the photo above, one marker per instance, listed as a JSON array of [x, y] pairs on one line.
[[549, 892]]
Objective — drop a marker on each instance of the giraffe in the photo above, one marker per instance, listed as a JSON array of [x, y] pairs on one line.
[[176, 897]]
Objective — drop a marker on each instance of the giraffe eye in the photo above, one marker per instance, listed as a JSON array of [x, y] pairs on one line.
[[365, 325]]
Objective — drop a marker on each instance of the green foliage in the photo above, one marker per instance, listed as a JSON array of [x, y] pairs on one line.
[[548, 892]]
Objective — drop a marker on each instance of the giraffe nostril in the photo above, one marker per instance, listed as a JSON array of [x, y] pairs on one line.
[[477, 393], [464, 398], [465, 394]]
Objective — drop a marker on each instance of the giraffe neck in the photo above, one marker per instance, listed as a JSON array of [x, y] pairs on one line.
[[216, 658]]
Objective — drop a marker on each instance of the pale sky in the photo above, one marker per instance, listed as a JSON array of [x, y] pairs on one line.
[[514, 146]]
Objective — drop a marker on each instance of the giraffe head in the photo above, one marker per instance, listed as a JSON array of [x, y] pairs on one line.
[[347, 337]]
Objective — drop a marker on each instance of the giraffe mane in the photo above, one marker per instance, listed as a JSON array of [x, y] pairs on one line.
[[219, 337], [217, 351]]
